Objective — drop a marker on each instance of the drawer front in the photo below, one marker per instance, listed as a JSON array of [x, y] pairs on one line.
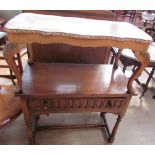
[[36, 105]]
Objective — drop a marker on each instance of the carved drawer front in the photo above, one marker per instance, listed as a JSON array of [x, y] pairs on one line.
[[76, 105]]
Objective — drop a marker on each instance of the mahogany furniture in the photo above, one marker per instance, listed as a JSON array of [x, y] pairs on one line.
[[47, 87]]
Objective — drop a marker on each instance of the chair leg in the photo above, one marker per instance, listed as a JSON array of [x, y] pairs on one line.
[[112, 59], [145, 86], [124, 68], [113, 56], [134, 68]]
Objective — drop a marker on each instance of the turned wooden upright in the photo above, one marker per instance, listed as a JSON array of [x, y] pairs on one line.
[[53, 87]]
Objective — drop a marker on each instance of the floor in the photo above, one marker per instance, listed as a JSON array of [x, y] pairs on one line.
[[137, 126]]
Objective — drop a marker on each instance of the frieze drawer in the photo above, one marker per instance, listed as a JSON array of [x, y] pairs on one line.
[[76, 105]]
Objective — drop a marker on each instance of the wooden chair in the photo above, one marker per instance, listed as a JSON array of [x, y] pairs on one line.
[[9, 105], [130, 14], [128, 59], [3, 41]]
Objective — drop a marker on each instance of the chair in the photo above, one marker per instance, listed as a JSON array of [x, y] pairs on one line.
[[3, 41], [128, 59], [9, 105], [123, 14]]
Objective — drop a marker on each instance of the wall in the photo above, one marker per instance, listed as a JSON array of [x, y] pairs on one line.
[[8, 14]]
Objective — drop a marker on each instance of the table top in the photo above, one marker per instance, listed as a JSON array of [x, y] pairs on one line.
[[58, 79], [75, 27], [29, 28]]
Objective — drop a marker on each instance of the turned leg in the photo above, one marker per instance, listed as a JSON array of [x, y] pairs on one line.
[[103, 118], [112, 136], [31, 126]]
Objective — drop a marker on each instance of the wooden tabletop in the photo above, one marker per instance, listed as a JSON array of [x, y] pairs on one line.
[[47, 79]]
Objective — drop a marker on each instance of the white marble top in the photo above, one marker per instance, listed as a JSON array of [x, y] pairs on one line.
[[75, 27]]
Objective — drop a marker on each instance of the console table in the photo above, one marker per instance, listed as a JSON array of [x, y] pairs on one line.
[[46, 88]]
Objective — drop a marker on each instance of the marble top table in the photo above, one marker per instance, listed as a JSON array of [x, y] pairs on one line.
[[28, 28]]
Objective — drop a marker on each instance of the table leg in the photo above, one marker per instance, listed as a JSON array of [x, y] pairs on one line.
[[103, 118], [112, 136], [144, 59], [30, 122]]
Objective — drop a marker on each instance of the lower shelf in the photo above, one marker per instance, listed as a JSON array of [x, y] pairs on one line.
[[69, 88]]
